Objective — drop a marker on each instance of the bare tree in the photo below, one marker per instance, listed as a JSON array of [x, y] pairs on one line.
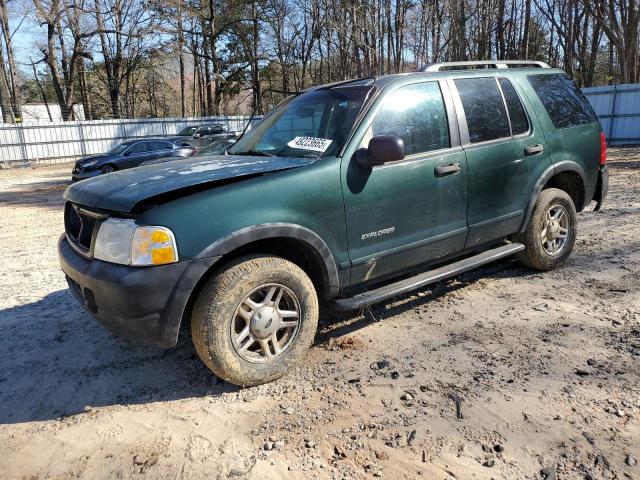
[[620, 21], [8, 84]]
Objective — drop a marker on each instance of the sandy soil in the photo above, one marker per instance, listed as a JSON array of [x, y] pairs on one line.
[[545, 368]]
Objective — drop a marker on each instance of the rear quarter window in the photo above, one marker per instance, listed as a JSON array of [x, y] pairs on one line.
[[517, 115], [562, 99]]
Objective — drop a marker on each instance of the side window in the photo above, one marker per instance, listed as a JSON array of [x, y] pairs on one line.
[[140, 147], [564, 102], [484, 109], [416, 114], [517, 115], [153, 146], [216, 129]]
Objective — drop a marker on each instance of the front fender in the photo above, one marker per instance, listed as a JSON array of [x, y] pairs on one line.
[[265, 231]]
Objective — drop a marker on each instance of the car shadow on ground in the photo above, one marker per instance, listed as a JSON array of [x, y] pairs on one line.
[[46, 193], [625, 164], [57, 360], [334, 324]]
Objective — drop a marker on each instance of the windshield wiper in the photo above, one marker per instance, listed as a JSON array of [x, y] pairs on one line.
[[255, 153]]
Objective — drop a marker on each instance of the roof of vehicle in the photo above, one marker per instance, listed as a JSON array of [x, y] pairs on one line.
[[448, 69], [150, 139]]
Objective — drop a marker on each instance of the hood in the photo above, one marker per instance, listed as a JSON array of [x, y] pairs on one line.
[[123, 190], [92, 157]]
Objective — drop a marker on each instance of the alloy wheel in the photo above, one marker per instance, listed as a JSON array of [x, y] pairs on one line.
[[555, 231], [266, 323]]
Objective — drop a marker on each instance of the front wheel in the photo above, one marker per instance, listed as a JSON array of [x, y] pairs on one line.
[[108, 169], [255, 320], [551, 232]]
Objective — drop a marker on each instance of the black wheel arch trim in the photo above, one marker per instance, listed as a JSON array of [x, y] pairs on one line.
[[265, 231], [564, 166]]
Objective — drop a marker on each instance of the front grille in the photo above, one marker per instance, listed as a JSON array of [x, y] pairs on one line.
[[77, 167], [80, 225]]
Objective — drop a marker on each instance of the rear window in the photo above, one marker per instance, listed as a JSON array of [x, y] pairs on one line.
[[484, 109], [564, 102]]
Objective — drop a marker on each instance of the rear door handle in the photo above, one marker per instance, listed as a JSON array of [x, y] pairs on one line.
[[449, 169], [533, 149]]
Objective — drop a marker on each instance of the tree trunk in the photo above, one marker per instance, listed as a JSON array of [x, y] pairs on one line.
[[41, 90], [525, 35], [12, 72], [180, 47], [5, 97]]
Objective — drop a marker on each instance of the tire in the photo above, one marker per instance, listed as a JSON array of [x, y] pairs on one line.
[[108, 169], [217, 323], [537, 254]]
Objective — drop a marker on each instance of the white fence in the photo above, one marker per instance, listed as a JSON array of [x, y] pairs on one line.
[[618, 107], [57, 142]]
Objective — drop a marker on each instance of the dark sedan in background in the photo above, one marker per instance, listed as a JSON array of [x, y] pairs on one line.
[[128, 155], [219, 147], [202, 136]]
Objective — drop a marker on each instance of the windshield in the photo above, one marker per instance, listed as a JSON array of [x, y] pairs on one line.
[[313, 124], [119, 149], [186, 132], [215, 148]]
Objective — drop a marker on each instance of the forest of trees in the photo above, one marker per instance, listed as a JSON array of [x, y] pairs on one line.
[[156, 58]]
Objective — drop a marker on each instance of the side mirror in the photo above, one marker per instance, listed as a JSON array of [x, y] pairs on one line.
[[382, 149]]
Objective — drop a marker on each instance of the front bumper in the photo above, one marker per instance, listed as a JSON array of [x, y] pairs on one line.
[[141, 304], [602, 187]]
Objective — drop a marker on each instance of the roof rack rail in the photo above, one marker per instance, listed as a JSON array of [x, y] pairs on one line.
[[437, 67]]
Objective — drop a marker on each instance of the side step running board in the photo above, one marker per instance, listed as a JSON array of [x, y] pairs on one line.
[[426, 278]]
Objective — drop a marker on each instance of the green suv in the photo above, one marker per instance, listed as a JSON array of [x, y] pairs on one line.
[[356, 191]]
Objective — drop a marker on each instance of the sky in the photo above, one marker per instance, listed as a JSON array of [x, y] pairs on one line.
[[26, 32]]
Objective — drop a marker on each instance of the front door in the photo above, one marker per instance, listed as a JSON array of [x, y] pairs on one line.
[[504, 147], [136, 154], [404, 213]]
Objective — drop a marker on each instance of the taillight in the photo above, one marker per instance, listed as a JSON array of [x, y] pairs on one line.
[[603, 149]]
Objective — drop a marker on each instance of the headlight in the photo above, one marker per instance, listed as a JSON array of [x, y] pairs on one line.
[[113, 242], [121, 241], [89, 163]]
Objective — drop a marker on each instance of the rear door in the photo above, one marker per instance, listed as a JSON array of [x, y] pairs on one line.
[[504, 147], [404, 213], [159, 149]]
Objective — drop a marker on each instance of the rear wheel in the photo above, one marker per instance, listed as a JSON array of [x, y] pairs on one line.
[[551, 232], [255, 320]]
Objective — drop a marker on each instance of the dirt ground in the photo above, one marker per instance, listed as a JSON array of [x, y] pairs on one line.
[[545, 368]]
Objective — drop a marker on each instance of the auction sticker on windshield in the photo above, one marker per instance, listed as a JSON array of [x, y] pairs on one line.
[[310, 143]]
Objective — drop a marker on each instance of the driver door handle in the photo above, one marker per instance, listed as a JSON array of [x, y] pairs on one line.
[[533, 149], [449, 169]]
